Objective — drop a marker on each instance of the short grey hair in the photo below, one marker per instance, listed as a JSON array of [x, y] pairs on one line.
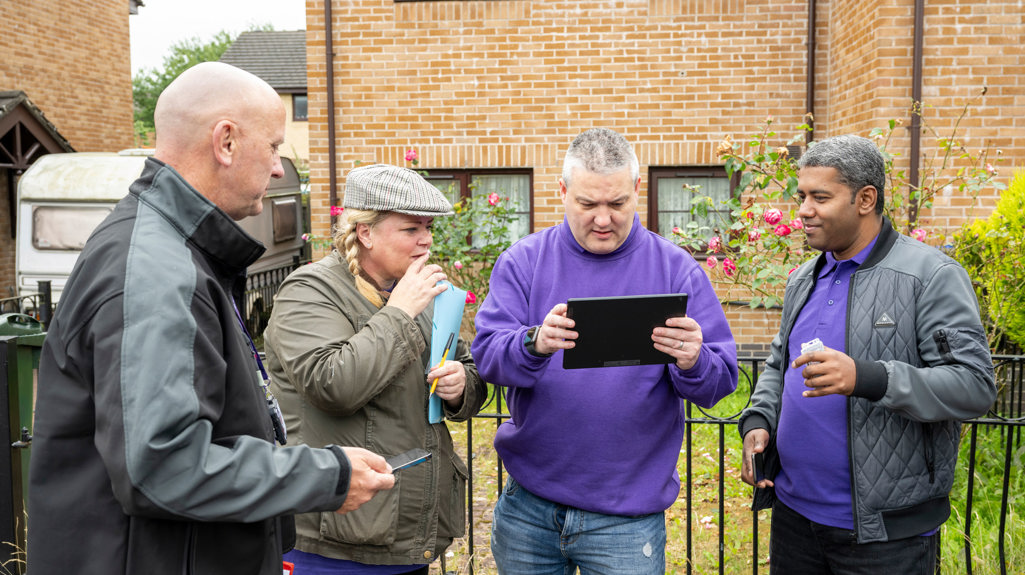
[[600, 151], [857, 160]]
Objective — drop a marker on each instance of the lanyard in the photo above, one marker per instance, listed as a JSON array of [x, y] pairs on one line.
[[276, 418]]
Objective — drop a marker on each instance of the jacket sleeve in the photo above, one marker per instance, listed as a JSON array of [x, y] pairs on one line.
[[767, 395], [332, 361], [502, 322], [159, 402], [956, 378]]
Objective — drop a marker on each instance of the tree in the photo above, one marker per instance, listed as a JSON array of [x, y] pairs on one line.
[[148, 84]]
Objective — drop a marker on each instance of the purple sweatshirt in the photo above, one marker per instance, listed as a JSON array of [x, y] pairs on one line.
[[605, 440]]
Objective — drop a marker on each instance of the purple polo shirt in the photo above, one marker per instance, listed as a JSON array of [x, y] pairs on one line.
[[815, 478]]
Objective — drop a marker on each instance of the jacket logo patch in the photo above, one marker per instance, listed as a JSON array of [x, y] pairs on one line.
[[885, 321]]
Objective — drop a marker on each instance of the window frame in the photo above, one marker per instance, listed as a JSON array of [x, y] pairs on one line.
[[465, 175], [655, 173], [295, 116]]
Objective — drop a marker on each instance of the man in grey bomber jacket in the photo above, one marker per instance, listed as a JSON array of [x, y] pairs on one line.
[[153, 450], [860, 437]]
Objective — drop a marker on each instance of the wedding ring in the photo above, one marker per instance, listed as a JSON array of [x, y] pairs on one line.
[[681, 345]]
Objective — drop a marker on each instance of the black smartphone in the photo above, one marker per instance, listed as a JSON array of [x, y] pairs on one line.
[[408, 459], [758, 465]]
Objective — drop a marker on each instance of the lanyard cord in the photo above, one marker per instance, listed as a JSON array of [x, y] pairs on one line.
[[252, 346], [276, 418]]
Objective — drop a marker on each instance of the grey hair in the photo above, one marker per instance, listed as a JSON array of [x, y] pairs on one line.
[[857, 160], [600, 151]]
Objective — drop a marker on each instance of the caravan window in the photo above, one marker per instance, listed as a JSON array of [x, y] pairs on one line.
[[65, 227]]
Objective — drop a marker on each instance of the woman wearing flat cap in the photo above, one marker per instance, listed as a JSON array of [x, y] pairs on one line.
[[347, 347]]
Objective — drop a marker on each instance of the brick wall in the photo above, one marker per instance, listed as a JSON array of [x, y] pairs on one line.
[[510, 83], [72, 59]]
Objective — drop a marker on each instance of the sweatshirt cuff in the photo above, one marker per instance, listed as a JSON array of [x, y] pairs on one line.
[[699, 369], [870, 380], [752, 422], [344, 469]]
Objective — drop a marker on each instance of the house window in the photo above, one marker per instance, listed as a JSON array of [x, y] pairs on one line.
[[670, 200], [299, 108], [511, 186]]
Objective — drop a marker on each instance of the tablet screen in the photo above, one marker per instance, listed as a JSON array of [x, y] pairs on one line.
[[616, 331]]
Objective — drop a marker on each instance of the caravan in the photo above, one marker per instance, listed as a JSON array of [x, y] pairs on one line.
[[63, 197]]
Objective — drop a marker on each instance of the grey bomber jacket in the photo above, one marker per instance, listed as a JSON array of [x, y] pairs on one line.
[[923, 365]]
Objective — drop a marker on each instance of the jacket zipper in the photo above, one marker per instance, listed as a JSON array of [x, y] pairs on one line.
[[850, 420], [942, 345]]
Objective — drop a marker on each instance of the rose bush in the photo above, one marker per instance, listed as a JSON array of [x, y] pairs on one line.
[[761, 235]]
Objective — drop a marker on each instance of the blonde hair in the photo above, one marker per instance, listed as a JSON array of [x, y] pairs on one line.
[[346, 243]]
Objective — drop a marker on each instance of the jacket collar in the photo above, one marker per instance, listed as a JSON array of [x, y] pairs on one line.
[[887, 237], [198, 219]]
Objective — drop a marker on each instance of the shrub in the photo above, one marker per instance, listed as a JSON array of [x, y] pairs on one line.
[[991, 251]]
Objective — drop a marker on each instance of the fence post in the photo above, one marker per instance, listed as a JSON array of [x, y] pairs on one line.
[[45, 303]]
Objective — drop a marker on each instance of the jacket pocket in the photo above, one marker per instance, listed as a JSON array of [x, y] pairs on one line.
[[452, 498], [374, 523]]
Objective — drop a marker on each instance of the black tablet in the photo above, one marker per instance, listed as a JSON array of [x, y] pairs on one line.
[[616, 331]]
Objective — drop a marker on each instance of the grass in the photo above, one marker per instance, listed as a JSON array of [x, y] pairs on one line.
[[735, 519]]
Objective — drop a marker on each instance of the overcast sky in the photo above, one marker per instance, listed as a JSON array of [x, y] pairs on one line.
[[161, 23]]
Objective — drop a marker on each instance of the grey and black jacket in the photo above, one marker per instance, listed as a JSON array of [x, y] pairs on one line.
[[152, 450], [923, 364]]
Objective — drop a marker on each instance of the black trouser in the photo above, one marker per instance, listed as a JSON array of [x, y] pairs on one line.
[[799, 546]]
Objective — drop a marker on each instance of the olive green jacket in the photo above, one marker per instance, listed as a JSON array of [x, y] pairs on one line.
[[349, 374]]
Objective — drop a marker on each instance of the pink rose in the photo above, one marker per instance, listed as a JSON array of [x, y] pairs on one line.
[[714, 244], [411, 155], [471, 297], [458, 265], [754, 235], [676, 230], [989, 168], [712, 261], [919, 234], [729, 267], [797, 224], [773, 216], [493, 199], [306, 237], [782, 230], [337, 210]]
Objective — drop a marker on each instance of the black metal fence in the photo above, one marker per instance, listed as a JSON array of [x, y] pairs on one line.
[[39, 305], [992, 488], [259, 296]]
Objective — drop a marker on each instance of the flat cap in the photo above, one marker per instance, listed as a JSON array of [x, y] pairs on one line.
[[386, 188]]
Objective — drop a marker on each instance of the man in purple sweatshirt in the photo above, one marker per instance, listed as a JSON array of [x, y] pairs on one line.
[[592, 453]]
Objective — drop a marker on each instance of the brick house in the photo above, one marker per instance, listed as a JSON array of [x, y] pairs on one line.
[[65, 85], [497, 90], [279, 58]]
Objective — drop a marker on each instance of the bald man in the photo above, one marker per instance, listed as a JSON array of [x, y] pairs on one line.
[[153, 447]]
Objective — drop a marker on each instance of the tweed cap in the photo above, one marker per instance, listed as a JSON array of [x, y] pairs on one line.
[[386, 188]]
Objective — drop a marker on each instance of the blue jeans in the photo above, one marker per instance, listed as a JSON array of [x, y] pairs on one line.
[[533, 536], [798, 546]]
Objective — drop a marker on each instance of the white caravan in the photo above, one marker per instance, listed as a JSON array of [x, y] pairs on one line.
[[63, 197]]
